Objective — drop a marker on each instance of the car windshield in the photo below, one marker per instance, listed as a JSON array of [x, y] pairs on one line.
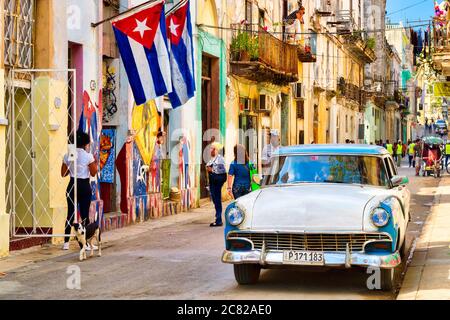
[[347, 169]]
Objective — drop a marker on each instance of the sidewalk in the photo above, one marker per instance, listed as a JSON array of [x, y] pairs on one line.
[[428, 275], [27, 257]]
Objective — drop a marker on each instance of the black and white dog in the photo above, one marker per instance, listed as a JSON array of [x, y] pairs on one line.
[[86, 235]]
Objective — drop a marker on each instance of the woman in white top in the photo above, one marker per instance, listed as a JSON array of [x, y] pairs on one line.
[[86, 166], [217, 178]]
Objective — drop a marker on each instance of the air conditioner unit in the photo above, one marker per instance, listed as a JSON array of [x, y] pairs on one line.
[[299, 90]]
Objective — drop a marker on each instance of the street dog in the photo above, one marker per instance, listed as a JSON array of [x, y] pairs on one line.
[[86, 235]]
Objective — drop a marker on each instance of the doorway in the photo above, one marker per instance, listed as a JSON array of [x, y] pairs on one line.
[[210, 113]]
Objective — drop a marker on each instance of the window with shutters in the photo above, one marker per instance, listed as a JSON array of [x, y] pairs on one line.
[[19, 20], [300, 109]]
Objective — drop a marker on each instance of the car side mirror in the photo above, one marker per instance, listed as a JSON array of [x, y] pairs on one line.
[[398, 181]]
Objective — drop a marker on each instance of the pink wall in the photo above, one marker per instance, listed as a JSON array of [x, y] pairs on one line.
[[77, 64]]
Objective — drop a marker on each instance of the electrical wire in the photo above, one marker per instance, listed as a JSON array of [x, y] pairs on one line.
[[408, 7], [308, 33]]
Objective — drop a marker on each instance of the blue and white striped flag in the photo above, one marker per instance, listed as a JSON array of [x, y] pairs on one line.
[[181, 55], [142, 40]]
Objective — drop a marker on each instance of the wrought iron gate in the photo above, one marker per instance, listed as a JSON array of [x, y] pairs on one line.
[[42, 111]]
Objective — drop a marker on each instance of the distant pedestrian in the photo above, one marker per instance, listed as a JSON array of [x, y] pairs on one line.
[[399, 153], [390, 148], [217, 178], [447, 153], [269, 150], [239, 175], [411, 153], [418, 155], [86, 167]]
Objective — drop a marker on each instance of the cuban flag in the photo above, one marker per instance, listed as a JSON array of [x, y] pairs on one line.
[[181, 55], [142, 40]]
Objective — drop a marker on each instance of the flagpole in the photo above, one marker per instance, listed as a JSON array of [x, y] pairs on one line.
[[180, 4], [96, 24]]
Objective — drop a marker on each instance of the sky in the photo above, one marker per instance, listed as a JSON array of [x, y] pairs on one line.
[[418, 10]]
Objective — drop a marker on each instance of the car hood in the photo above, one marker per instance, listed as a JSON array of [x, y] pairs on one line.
[[312, 207]]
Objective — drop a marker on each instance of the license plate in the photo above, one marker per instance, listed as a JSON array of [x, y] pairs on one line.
[[303, 257]]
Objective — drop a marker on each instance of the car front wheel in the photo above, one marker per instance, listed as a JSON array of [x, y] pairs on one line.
[[388, 279], [247, 273]]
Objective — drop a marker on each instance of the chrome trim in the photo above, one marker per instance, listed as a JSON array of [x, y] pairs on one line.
[[242, 234], [331, 259], [348, 257]]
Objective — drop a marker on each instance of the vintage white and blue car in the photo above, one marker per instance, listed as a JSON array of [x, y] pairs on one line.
[[325, 206]]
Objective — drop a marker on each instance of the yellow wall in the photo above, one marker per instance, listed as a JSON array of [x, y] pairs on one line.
[[4, 218], [207, 15], [51, 210]]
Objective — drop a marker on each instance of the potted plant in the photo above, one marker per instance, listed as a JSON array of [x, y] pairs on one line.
[[244, 47]]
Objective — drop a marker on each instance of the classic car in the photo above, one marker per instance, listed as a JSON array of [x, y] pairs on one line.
[[337, 206]]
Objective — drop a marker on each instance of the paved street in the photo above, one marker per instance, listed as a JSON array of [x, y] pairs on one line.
[[182, 261]]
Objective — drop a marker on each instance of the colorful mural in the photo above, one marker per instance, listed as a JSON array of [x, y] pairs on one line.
[[107, 155], [185, 178], [146, 123], [89, 124], [90, 114]]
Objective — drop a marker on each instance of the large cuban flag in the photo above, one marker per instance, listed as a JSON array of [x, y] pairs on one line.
[[142, 40], [181, 55]]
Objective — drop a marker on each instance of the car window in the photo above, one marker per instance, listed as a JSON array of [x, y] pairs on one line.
[[347, 169]]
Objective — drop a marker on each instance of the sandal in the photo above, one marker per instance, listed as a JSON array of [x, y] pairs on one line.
[[216, 224]]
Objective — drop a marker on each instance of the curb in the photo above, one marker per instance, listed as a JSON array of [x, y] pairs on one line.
[[411, 282]]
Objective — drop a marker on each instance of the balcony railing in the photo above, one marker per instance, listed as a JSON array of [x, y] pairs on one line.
[[257, 55], [361, 46], [349, 91]]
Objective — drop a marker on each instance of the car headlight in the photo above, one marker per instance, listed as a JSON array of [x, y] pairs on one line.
[[235, 216], [380, 217]]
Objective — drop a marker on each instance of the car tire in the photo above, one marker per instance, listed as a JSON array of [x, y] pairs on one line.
[[388, 279], [246, 274]]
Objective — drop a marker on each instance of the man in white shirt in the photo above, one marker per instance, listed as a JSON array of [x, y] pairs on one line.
[[269, 150]]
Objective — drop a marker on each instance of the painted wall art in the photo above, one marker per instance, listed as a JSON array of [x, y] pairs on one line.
[[107, 155]]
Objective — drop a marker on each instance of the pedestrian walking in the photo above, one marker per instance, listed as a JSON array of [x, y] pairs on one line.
[[269, 150], [240, 173], [217, 178], [419, 156], [411, 153], [86, 167], [394, 151], [389, 147], [399, 153], [447, 153]]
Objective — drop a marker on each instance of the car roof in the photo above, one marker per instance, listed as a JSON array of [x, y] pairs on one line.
[[345, 149]]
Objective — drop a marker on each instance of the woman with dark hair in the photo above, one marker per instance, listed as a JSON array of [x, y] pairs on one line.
[[239, 177], [86, 167]]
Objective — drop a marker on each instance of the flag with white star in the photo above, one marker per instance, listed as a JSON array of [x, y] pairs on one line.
[[142, 40], [179, 30]]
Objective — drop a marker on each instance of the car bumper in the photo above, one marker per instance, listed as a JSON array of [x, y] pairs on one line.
[[331, 259]]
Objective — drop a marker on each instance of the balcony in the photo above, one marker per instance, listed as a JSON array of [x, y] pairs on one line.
[[360, 46], [261, 57], [349, 91], [441, 42]]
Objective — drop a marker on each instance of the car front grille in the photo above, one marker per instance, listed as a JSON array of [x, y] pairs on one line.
[[310, 241]]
